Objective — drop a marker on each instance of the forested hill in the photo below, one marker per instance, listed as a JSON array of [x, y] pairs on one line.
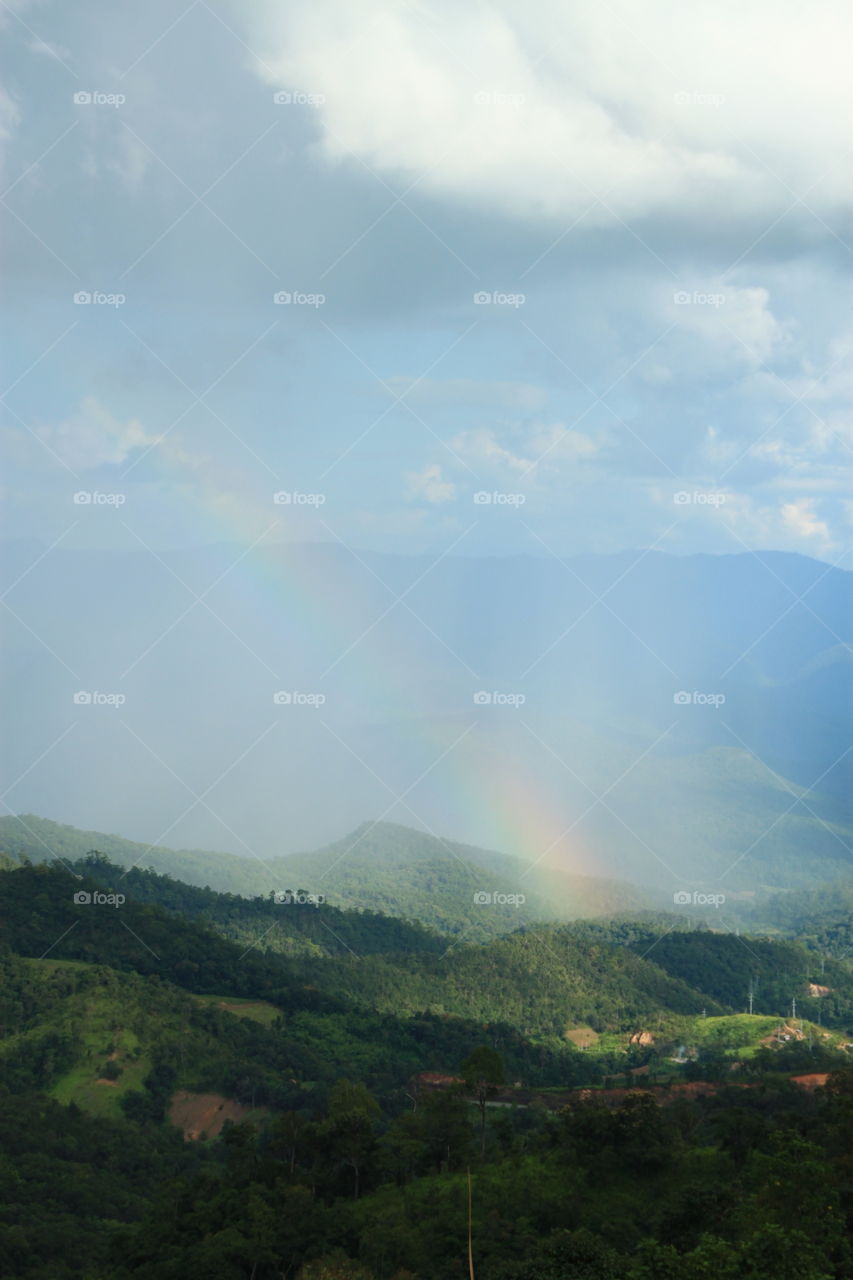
[[538, 982], [378, 867], [292, 921], [543, 980], [442, 883]]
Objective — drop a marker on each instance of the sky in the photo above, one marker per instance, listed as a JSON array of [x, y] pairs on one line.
[[480, 279]]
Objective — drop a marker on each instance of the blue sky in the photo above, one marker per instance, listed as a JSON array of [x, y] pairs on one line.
[[657, 215]]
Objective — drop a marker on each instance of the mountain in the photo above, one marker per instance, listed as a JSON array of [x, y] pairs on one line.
[[134, 966], [379, 867], [657, 719], [452, 887], [293, 922]]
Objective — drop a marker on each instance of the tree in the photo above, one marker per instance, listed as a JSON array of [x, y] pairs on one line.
[[483, 1072], [348, 1126]]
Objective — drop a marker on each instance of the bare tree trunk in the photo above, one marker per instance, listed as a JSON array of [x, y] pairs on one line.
[[470, 1240]]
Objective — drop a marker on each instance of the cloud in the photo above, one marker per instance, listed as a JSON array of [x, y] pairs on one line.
[[736, 322], [93, 437], [429, 484], [482, 446], [557, 111], [800, 518], [543, 447]]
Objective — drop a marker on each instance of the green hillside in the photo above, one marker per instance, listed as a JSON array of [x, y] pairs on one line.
[[392, 868], [379, 867], [542, 981], [290, 923], [174, 1103]]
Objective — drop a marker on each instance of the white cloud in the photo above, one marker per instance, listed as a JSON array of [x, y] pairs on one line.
[[482, 446], [429, 484], [674, 107], [93, 436], [800, 518], [544, 447], [737, 322]]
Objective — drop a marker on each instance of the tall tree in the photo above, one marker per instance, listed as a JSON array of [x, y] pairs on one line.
[[483, 1073]]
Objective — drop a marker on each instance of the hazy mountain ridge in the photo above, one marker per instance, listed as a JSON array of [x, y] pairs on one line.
[[379, 867], [599, 714]]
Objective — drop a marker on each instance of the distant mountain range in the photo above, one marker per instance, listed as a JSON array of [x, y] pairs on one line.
[[670, 721]]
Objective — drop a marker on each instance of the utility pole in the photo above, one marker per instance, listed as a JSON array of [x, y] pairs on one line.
[[793, 1007], [751, 995]]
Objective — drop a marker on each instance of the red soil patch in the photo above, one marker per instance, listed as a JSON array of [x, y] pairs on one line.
[[203, 1113], [436, 1080], [815, 1081], [113, 1084]]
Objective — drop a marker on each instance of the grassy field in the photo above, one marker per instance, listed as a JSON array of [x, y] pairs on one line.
[[117, 1021], [243, 1007]]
